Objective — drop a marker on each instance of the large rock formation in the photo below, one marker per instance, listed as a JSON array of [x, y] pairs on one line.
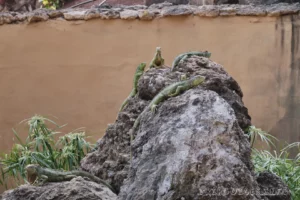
[[193, 147], [193, 144]]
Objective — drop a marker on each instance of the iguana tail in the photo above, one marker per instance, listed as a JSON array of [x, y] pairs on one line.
[[93, 178], [138, 73], [125, 102]]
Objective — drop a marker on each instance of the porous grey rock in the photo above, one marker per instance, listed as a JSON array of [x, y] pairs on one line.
[[129, 14], [136, 7], [177, 10], [193, 144], [91, 14], [160, 5], [109, 13], [20, 17], [166, 2], [208, 11], [249, 10], [111, 159], [202, 2], [272, 188], [228, 10], [37, 16], [75, 15], [282, 9], [6, 18], [250, 2], [194, 141], [55, 13], [77, 188]]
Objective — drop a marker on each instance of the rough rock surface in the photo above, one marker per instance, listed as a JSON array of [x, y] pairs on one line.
[[191, 146], [111, 160], [193, 143], [77, 188], [271, 184]]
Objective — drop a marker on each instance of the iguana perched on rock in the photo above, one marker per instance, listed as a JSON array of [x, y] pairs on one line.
[[169, 91], [38, 175], [184, 56], [138, 73], [157, 61]]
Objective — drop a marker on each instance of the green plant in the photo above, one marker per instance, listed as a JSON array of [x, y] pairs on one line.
[[257, 132], [51, 4], [39, 147], [277, 163]]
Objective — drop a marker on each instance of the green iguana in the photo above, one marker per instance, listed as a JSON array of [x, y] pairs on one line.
[[157, 61], [169, 91], [184, 56], [38, 175], [138, 73]]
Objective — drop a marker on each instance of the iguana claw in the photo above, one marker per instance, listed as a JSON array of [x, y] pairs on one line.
[[153, 108]]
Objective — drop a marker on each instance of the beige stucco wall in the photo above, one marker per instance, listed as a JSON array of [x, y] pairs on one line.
[[81, 72]]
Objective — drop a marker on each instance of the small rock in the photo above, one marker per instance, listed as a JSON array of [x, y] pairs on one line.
[[269, 183], [282, 9], [208, 11], [20, 17], [91, 14], [146, 15], [6, 18], [118, 9], [228, 11], [248, 10], [201, 3], [37, 16], [55, 13], [160, 5], [110, 14], [129, 14], [136, 7], [77, 188], [75, 15], [177, 10]]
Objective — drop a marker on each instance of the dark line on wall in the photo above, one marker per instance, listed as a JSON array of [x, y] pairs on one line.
[[282, 34]]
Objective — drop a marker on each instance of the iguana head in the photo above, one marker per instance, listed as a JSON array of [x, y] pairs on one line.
[[141, 67], [197, 80], [32, 168], [207, 54], [32, 172], [158, 49]]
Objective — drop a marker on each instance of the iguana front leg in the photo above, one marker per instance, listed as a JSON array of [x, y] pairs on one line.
[[183, 77], [153, 108], [183, 59], [40, 180], [179, 89]]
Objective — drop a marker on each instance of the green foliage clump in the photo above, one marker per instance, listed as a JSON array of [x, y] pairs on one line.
[[40, 148], [288, 169], [51, 4]]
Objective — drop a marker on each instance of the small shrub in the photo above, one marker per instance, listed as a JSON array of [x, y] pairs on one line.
[[277, 163], [40, 148], [51, 4]]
